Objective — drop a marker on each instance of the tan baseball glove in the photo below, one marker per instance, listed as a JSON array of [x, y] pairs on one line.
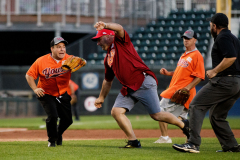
[[73, 63], [180, 96]]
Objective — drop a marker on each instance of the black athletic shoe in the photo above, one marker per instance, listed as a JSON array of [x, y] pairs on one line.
[[51, 144], [185, 129], [186, 147], [234, 149], [59, 141], [133, 144]]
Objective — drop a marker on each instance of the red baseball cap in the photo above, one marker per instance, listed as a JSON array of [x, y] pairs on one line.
[[102, 33]]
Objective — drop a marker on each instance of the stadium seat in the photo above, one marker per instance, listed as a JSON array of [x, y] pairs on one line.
[[160, 41], [143, 55], [161, 56], [93, 56]]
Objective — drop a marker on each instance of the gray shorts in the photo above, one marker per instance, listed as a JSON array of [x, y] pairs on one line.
[[146, 94], [176, 109]]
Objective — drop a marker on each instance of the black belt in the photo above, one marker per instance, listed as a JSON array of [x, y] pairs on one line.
[[238, 76]]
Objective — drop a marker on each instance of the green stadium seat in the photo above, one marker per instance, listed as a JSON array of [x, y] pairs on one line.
[[151, 24], [93, 56], [152, 56], [159, 62], [154, 49], [161, 40], [146, 42], [161, 56], [143, 55]]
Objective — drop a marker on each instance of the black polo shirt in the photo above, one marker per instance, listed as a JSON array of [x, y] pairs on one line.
[[226, 45]]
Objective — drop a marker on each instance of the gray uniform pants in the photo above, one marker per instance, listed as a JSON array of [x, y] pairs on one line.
[[218, 95]]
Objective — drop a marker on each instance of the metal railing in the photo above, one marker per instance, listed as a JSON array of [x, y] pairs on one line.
[[149, 9], [86, 7]]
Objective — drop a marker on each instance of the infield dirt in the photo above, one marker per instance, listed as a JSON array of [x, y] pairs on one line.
[[7, 134]]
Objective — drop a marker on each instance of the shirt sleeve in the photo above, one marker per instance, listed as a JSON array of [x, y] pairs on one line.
[[126, 37], [33, 70], [226, 47], [198, 70], [109, 74]]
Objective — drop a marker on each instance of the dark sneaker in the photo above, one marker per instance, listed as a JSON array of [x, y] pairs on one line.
[[234, 149], [133, 144], [185, 129], [59, 141], [51, 144], [186, 147]]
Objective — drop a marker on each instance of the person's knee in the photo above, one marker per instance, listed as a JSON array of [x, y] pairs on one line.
[[66, 120], [214, 117], [156, 116], [52, 119], [116, 111]]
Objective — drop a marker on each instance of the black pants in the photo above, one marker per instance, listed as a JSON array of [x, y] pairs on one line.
[[75, 107], [218, 95], [56, 107]]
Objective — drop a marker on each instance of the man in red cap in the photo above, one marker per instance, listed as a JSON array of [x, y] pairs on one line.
[[139, 82]]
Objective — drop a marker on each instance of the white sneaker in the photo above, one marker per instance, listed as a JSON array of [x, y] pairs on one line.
[[162, 140]]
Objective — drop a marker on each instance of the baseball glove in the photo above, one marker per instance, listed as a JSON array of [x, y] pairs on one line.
[[73, 63], [180, 96]]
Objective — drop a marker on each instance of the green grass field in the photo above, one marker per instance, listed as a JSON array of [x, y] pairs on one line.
[[102, 122], [107, 149]]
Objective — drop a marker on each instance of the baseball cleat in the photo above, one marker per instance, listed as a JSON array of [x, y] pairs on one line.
[[133, 144], [186, 147], [233, 149], [51, 144], [162, 140], [59, 141]]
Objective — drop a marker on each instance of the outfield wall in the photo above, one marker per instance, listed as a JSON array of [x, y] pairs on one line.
[[17, 99]]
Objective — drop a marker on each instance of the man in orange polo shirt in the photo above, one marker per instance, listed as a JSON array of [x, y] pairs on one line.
[[51, 89], [73, 92], [189, 72]]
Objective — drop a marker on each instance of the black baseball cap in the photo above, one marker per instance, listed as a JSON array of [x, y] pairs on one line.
[[189, 34], [57, 40], [219, 19]]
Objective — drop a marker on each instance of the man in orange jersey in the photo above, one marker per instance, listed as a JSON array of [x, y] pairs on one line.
[[73, 92], [189, 72], [51, 89], [220, 93]]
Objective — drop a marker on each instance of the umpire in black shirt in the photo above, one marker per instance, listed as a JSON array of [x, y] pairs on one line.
[[220, 93]]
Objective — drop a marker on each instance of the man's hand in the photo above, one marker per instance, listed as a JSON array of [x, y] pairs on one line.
[[165, 72], [98, 102], [100, 25], [211, 73], [39, 92]]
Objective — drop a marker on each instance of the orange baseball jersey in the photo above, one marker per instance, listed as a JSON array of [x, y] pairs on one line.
[[189, 66], [75, 87], [52, 78]]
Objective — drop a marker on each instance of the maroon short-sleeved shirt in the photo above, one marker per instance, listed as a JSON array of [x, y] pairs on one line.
[[123, 61]]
